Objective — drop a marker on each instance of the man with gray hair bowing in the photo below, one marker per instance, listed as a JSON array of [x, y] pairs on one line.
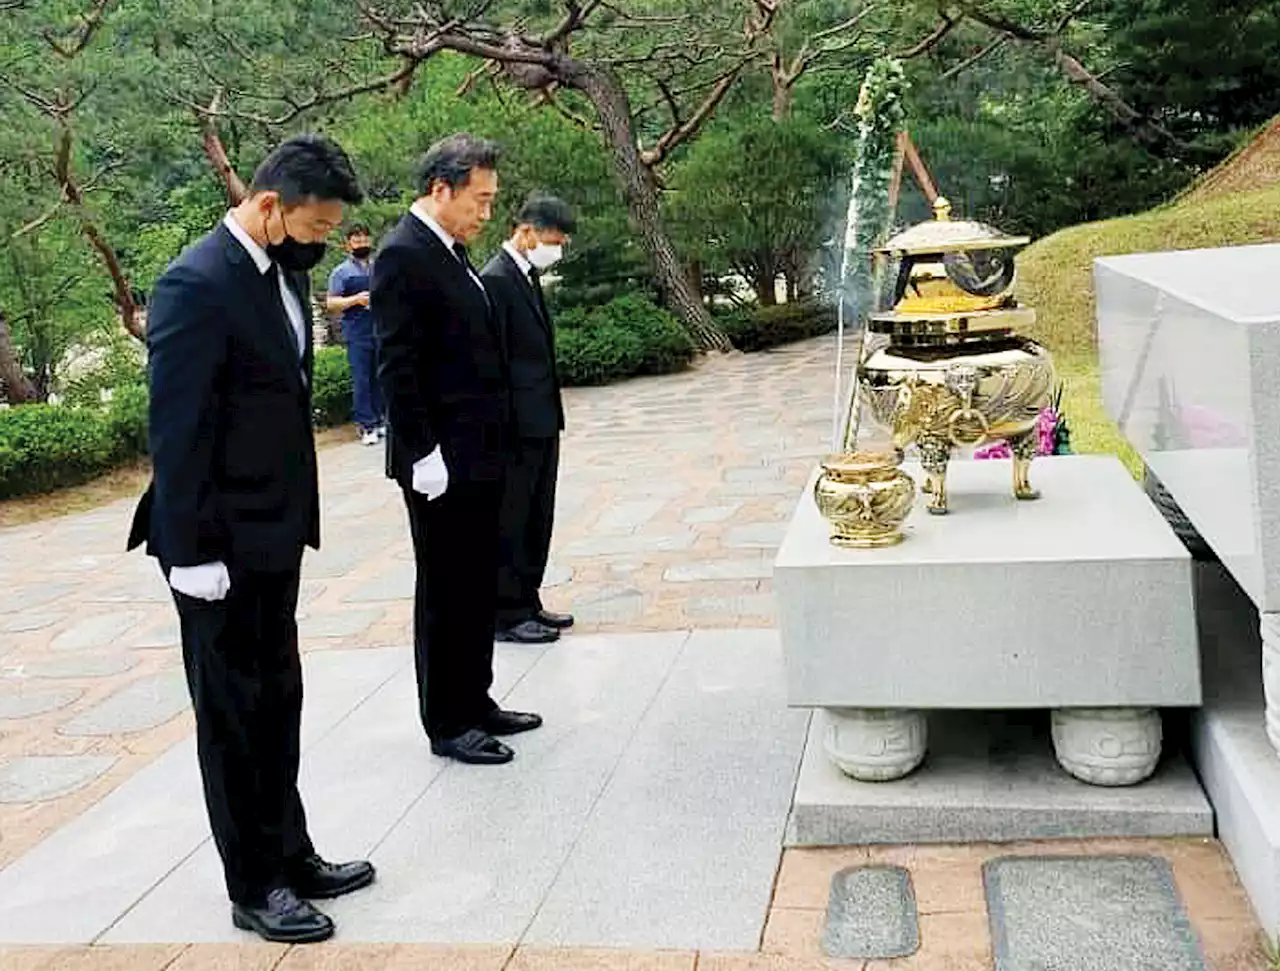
[[447, 391]]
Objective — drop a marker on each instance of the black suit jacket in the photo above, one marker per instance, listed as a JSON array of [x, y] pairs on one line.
[[531, 348], [442, 359], [230, 416]]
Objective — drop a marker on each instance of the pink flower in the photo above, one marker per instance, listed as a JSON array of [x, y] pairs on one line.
[[1046, 431], [996, 450]]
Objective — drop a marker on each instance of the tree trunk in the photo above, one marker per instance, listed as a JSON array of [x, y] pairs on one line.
[[216, 153], [17, 389], [765, 282], [610, 101], [782, 98]]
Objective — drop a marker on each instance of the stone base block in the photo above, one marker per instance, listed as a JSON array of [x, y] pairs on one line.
[[1080, 600], [1237, 764], [988, 777]]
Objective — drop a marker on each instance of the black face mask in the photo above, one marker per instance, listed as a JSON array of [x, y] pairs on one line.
[[294, 256], [361, 252]]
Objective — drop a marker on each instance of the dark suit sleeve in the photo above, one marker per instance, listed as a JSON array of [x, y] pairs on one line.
[[397, 300], [186, 341]]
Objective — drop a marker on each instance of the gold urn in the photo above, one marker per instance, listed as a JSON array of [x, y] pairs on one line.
[[945, 366], [865, 497]]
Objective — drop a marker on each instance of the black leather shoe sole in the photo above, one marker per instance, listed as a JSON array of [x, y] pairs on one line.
[[358, 881], [525, 634], [472, 755], [308, 934]]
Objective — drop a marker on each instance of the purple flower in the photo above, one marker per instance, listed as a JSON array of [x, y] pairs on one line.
[[996, 450]]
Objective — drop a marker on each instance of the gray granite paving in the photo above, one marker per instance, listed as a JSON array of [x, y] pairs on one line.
[[395, 584], [629, 515], [1088, 914], [36, 778], [756, 536], [632, 543], [758, 568], [36, 620], [731, 605], [104, 630], [610, 604], [24, 699], [706, 515], [871, 914], [141, 704], [344, 623], [82, 666]]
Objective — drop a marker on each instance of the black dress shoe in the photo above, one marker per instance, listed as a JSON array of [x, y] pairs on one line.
[[500, 722], [549, 618], [527, 632], [283, 918], [317, 879], [475, 747]]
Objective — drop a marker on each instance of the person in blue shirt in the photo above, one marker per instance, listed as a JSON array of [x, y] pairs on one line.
[[349, 296]]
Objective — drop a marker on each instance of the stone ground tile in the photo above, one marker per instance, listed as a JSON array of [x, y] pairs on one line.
[[30, 958], [343, 623], [756, 536], [336, 956], [150, 701], [613, 604], [23, 699], [710, 514], [80, 666], [948, 942], [36, 778], [628, 515], [104, 630], [36, 620], [872, 914], [598, 959], [230, 957], [1099, 913], [756, 605], [758, 568]]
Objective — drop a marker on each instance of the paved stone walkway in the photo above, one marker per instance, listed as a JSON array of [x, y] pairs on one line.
[[675, 492]]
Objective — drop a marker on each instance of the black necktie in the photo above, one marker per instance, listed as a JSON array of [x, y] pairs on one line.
[[460, 252], [535, 281]]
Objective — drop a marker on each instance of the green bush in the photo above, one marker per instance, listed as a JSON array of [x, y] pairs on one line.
[[331, 387], [759, 328], [628, 336], [46, 447], [127, 418]]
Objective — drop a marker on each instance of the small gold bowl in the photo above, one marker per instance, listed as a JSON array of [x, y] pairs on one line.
[[865, 497]]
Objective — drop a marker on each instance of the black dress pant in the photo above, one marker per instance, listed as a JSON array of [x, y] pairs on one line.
[[528, 512], [455, 543], [245, 678]]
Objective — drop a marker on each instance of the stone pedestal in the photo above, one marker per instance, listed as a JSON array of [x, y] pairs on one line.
[[1190, 351], [1080, 602]]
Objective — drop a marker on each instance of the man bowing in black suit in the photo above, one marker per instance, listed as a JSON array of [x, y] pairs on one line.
[[446, 387], [529, 494], [232, 503]]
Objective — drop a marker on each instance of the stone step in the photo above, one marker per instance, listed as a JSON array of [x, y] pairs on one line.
[[988, 777]]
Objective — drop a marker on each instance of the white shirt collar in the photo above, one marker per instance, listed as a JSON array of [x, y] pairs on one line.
[[258, 254], [425, 218], [525, 266]]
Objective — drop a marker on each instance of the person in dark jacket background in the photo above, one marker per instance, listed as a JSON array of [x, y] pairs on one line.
[[513, 279]]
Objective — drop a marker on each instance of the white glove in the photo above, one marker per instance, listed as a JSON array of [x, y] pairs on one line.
[[431, 475], [208, 581]]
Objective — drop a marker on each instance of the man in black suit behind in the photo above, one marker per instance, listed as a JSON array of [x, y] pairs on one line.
[[529, 494], [446, 387], [232, 503]]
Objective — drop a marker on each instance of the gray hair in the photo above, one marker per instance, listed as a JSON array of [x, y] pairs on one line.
[[452, 160]]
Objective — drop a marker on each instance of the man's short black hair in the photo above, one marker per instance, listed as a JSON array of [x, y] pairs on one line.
[[452, 160], [359, 229], [543, 211], [308, 167]]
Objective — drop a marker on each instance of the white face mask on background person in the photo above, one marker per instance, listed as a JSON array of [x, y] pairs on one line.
[[545, 255]]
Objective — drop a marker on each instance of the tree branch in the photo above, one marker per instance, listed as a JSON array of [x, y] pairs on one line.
[[970, 61], [681, 133], [89, 24], [945, 26], [216, 152]]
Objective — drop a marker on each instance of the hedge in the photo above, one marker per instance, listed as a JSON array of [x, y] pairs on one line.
[[46, 447], [759, 328], [628, 336]]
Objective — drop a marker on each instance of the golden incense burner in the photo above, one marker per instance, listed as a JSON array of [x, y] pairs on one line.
[[954, 372], [865, 497]]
